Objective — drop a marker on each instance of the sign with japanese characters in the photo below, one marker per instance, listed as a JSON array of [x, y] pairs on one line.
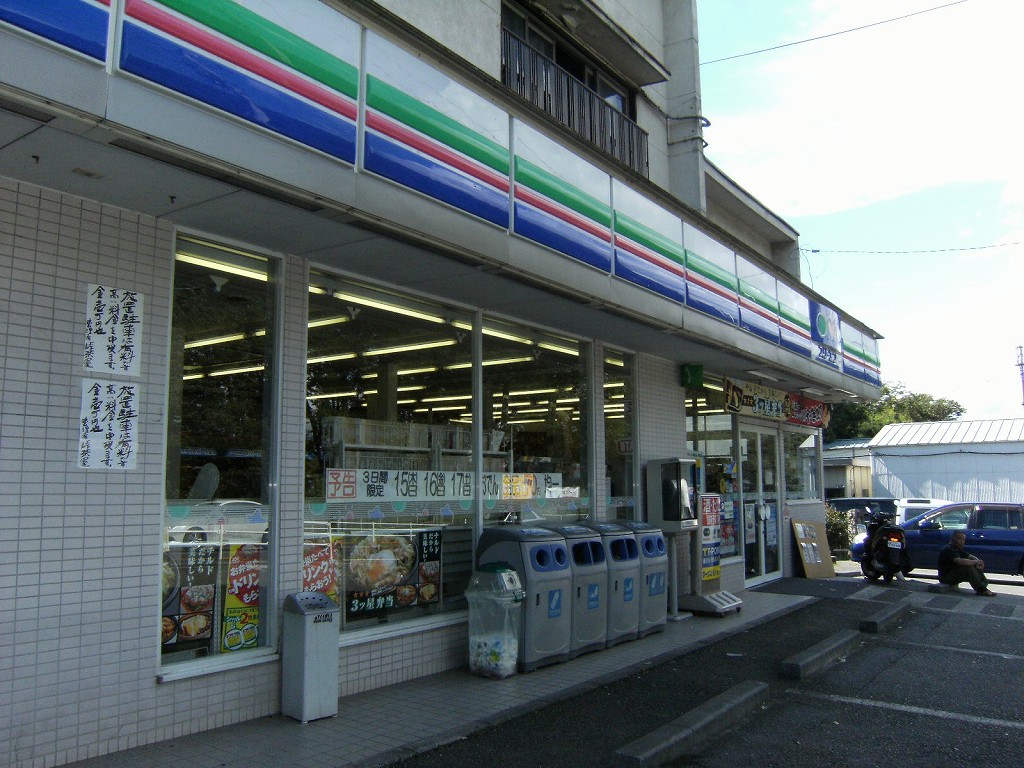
[[240, 622], [391, 485], [711, 538], [387, 570], [108, 425], [752, 399], [113, 331], [189, 596]]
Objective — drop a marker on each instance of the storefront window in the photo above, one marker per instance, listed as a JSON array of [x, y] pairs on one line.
[[619, 431], [390, 494], [535, 425], [220, 448], [802, 457]]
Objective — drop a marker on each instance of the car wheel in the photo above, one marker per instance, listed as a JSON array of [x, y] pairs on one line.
[[194, 535]]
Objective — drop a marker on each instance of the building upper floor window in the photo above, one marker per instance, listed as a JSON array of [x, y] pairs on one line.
[[543, 66]]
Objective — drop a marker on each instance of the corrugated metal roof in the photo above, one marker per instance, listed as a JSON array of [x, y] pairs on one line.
[[950, 432]]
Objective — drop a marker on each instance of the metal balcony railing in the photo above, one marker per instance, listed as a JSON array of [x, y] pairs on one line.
[[548, 86]]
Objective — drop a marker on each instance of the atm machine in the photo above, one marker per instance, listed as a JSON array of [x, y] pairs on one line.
[[675, 506]]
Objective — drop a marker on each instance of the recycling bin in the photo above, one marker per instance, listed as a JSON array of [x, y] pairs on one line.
[[653, 576], [495, 596], [623, 557], [309, 657], [589, 594], [541, 560]]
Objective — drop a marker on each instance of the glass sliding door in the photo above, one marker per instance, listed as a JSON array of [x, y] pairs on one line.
[[759, 472]]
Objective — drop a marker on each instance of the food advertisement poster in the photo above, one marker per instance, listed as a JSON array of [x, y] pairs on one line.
[[319, 573], [189, 596], [380, 572], [241, 619], [711, 536]]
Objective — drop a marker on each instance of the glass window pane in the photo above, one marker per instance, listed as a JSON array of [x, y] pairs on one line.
[[619, 434], [709, 430], [390, 499], [219, 452], [535, 414], [801, 456]]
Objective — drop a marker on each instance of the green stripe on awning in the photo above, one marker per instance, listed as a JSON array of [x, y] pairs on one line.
[[539, 180], [260, 34]]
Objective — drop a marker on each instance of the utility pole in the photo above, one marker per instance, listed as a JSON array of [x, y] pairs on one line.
[[1020, 365]]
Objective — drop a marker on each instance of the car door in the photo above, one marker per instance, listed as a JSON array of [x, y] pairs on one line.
[[996, 535], [929, 534]]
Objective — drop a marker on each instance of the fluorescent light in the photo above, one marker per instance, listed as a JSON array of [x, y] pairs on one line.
[[351, 393], [413, 371], [410, 388], [764, 375], [507, 336], [398, 310], [502, 361], [330, 358], [446, 398], [328, 321], [525, 392], [193, 376], [232, 371], [220, 266], [614, 384], [214, 340], [714, 387], [411, 347], [812, 391], [556, 348]]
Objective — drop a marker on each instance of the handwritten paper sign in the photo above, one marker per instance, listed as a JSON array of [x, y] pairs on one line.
[[113, 330], [108, 425]]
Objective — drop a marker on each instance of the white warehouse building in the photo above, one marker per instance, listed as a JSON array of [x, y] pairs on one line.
[[980, 460]]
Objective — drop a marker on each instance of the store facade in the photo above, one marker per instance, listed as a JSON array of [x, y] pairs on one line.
[[296, 301]]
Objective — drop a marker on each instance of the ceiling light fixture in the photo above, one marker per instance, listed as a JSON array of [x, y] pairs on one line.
[[231, 269], [398, 310], [764, 375]]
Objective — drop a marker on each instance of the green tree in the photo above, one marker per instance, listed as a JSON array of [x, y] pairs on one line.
[[896, 405]]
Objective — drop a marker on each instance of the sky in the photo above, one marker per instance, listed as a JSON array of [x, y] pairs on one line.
[[897, 152]]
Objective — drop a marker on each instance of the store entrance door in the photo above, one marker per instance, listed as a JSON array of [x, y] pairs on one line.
[[759, 473]]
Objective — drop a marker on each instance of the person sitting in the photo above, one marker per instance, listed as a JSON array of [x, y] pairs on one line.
[[956, 565]]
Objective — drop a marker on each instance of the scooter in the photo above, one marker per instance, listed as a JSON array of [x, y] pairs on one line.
[[882, 549]]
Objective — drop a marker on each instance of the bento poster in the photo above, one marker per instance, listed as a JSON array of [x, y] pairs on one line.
[[189, 596], [241, 619], [388, 571]]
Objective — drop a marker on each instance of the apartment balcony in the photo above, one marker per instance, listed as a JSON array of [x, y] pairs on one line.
[[548, 86]]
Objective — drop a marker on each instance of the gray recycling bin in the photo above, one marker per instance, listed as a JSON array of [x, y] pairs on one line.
[[309, 657], [495, 596], [540, 558], [589, 596], [623, 557], [653, 577]]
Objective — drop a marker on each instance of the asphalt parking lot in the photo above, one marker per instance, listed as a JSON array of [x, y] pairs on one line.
[[937, 688]]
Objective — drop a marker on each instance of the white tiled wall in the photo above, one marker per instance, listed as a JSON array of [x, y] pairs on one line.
[[80, 558]]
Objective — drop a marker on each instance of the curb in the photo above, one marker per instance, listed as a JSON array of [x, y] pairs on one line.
[[819, 656], [690, 733], [885, 618]]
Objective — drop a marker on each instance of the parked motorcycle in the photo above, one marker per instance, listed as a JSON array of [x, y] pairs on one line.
[[882, 548]]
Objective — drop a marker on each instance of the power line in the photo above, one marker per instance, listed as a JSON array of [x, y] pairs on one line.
[[923, 250], [833, 34]]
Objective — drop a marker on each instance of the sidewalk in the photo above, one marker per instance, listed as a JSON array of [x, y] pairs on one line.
[[384, 725]]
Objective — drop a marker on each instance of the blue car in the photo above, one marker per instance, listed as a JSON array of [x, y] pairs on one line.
[[995, 533]]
